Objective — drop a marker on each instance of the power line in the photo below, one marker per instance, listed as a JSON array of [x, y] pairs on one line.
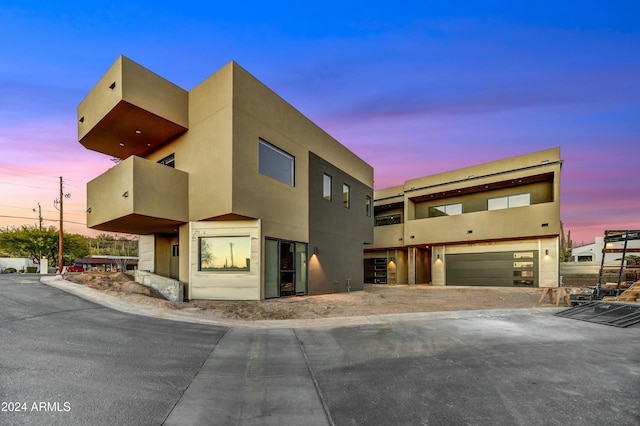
[[48, 220], [15, 207], [26, 177], [32, 209], [28, 186], [30, 172]]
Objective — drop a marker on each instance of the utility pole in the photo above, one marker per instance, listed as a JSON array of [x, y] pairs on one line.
[[61, 233], [39, 215]]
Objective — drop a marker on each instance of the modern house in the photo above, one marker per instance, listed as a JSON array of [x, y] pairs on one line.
[[232, 190], [593, 252], [494, 224]]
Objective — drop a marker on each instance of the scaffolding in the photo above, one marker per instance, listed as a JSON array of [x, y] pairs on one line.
[[612, 281]]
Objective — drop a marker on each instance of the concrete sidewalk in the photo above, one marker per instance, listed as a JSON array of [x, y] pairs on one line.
[[253, 377]]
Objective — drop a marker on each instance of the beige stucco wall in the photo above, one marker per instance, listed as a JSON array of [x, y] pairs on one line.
[[487, 225], [460, 177], [138, 196], [131, 111], [259, 113]]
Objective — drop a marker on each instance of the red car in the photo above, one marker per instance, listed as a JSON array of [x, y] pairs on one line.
[[75, 268]]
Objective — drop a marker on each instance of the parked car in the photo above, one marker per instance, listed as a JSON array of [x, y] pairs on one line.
[[75, 268]]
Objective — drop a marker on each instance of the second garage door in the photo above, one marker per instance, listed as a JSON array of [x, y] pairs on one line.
[[500, 269]]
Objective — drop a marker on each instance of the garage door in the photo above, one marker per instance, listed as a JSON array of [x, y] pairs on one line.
[[501, 269]]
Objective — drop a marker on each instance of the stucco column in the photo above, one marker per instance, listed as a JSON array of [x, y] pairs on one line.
[[411, 265]]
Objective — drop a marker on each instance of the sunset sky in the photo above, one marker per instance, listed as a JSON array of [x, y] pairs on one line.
[[414, 88]]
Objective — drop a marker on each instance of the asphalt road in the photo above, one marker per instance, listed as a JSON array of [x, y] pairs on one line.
[[68, 361]]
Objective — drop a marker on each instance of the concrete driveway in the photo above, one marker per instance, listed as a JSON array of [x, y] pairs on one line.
[[522, 367]]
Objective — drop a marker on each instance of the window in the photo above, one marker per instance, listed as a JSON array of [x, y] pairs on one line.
[[367, 206], [346, 195], [390, 219], [446, 210], [169, 160], [326, 187], [523, 255], [275, 163], [219, 254], [510, 201]]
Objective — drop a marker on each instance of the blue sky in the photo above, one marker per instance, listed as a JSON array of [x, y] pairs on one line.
[[414, 88]]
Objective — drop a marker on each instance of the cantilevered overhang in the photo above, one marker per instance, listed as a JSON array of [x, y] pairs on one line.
[[138, 196], [131, 111], [130, 130]]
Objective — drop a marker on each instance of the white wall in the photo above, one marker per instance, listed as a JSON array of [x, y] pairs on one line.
[[19, 263], [595, 250]]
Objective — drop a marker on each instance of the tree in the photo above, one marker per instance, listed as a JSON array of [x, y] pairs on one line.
[[32, 242], [109, 245]]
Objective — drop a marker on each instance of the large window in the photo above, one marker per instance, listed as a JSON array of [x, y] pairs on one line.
[[225, 254], [275, 163], [390, 219], [326, 187], [446, 210], [367, 206], [510, 201], [346, 195]]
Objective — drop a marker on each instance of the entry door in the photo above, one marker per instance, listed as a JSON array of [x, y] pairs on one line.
[[285, 268]]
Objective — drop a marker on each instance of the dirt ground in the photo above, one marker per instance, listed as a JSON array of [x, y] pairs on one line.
[[375, 299]]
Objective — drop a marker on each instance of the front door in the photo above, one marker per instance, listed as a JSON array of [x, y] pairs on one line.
[[285, 268]]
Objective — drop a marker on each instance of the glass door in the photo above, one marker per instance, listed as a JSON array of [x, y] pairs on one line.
[[285, 269]]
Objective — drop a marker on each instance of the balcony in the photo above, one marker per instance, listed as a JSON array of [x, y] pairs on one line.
[[387, 236], [131, 111], [138, 196], [522, 222]]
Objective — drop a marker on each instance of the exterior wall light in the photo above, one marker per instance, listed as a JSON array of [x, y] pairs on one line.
[[546, 252], [125, 194], [89, 210], [315, 250]]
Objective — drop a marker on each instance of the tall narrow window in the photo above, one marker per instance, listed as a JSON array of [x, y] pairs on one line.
[[326, 187], [276, 163], [367, 206], [346, 195]]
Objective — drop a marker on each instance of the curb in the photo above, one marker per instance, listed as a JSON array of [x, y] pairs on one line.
[[112, 302]]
